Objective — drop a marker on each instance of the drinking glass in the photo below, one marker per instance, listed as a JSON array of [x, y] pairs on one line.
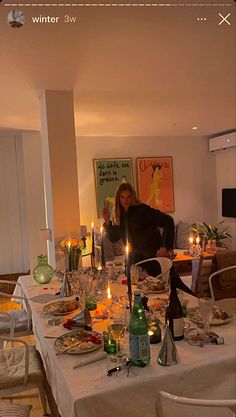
[[116, 327], [206, 308]]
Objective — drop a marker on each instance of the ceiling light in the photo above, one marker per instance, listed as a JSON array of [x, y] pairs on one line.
[[194, 128]]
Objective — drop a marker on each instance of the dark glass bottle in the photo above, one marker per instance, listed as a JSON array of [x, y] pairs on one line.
[[139, 339], [174, 313]]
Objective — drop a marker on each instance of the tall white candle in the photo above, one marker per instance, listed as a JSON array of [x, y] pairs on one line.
[[93, 247]]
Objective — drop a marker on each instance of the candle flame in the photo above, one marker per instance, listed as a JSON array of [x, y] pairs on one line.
[[108, 292], [92, 225], [127, 249], [191, 239], [101, 229], [197, 240]]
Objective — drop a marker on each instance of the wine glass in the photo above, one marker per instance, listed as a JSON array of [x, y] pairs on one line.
[[116, 328], [206, 308]]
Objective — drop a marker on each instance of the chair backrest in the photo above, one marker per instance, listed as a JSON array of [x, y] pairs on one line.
[[12, 359], [225, 281], [230, 404], [222, 283], [165, 264], [14, 410], [201, 270]]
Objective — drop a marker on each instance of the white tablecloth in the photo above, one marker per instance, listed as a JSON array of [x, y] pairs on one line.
[[207, 372]]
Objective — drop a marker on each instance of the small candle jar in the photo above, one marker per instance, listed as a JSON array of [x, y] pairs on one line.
[[154, 330], [91, 303]]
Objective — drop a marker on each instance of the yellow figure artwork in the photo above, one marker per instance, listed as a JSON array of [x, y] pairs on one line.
[[154, 196]]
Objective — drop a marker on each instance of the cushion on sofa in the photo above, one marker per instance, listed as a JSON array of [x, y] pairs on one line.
[[183, 231]]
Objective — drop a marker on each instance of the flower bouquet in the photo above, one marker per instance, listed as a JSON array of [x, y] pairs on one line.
[[73, 247]]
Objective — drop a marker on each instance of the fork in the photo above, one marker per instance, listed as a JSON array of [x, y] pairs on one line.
[[68, 347]]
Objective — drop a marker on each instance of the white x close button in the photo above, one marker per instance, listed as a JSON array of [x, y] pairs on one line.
[[224, 19]]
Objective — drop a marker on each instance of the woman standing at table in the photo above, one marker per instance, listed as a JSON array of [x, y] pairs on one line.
[[139, 224]]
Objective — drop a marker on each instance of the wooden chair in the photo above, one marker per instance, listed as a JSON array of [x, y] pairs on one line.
[[222, 283], [21, 370], [224, 279], [230, 404]]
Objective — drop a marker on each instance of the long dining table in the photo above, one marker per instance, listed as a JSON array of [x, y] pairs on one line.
[[206, 372]]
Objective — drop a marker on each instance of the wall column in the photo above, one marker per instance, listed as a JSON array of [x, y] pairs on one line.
[[60, 168]]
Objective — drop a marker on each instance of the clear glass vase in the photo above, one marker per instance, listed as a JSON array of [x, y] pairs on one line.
[[43, 272], [74, 258], [211, 247]]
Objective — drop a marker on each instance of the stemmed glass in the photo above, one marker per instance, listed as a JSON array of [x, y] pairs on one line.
[[206, 308], [116, 328]]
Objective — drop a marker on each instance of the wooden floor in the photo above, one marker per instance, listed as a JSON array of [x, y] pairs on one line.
[[30, 397]]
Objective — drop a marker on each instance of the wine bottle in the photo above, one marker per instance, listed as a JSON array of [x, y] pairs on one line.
[[174, 313], [139, 340]]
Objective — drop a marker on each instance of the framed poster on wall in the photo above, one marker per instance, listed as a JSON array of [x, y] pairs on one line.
[[109, 174], [155, 182]]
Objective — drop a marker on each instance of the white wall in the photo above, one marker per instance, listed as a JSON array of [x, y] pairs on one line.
[[193, 169], [35, 208], [226, 178]]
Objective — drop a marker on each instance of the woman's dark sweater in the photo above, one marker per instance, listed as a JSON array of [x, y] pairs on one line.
[[140, 226]]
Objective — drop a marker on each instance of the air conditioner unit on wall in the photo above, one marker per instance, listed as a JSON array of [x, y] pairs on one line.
[[222, 142]]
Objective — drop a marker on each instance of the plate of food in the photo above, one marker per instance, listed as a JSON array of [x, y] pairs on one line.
[[219, 316], [60, 308], [152, 285], [79, 341]]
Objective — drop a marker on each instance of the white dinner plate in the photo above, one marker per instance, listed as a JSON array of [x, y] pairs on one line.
[[70, 338], [194, 315]]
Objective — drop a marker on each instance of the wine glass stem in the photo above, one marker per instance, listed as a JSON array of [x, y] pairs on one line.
[[206, 327]]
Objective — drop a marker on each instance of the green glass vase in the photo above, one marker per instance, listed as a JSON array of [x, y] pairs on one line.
[[43, 272]]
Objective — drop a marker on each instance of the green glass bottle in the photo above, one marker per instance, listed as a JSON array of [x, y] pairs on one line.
[[43, 272], [139, 340]]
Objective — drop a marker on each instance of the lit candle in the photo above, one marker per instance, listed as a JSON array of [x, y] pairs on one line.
[[128, 276], [93, 248], [69, 245], [108, 295], [191, 240], [197, 240]]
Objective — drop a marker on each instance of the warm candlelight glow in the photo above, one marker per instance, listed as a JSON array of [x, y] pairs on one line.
[[127, 250], [191, 240], [101, 230], [108, 292], [69, 245], [99, 267], [92, 225], [197, 240], [109, 300]]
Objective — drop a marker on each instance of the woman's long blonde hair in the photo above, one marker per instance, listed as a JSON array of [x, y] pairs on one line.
[[125, 186]]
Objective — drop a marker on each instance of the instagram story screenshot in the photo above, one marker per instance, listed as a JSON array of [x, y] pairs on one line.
[[117, 208]]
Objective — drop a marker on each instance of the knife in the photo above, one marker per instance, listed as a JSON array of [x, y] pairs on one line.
[[103, 355]]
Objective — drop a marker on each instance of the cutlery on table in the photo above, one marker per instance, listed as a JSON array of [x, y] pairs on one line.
[[68, 347], [103, 355]]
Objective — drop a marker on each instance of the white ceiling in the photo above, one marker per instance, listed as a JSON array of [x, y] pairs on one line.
[[135, 70]]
